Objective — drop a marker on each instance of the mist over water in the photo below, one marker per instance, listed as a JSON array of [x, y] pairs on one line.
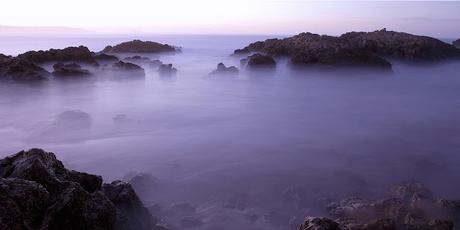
[[230, 146]]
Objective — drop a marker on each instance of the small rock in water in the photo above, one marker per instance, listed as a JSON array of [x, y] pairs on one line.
[[223, 70], [167, 70]]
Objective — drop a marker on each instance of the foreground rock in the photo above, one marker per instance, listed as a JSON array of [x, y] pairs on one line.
[[409, 206], [138, 46], [15, 69], [70, 71], [69, 54], [355, 49], [167, 70], [224, 70], [456, 43], [38, 192]]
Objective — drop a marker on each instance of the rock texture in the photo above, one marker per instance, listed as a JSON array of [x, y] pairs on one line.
[[259, 61], [126, 68], [224, 70], [69, 71], [138, 46], [40, 193], [355, 49], [19, 70], [69, 54]]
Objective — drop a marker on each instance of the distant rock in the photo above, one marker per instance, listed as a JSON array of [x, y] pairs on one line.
[[70, 71], [138, 46], [456, 43], [259, 61], [72, 119], [167, 70], [18, 70], [355, 49], [130, 69], [223, 70], [143, 61], [106, 57], [69, 54], [38, 192]]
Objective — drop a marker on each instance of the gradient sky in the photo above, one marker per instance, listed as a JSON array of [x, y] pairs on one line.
[[435, 18]]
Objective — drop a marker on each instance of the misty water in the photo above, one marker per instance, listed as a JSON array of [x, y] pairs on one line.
[[230, 146]]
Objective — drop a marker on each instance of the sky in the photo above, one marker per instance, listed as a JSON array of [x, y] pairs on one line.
[[435, 18]]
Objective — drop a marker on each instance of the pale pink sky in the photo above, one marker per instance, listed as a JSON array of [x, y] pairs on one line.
[[435, 18]]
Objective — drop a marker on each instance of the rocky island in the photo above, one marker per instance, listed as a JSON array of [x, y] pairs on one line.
[[354, 49]]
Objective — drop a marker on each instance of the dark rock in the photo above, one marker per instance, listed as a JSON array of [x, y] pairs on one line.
[[223, 70], [167, 70], [70, 71], [131, 214], [143, 61], [259, 61], [38, 192], [130, 69], [355, 49], [456, 43], [22, 204], [19, 70], [72, 119], [316, 223], [76, 54], [106, 57], [138, 46]]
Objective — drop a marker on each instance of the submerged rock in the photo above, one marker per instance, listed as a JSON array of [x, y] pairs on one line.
[[73, 119], [126, 68], [167, 70], [20, 70], [138, 46], [69, 71], [355, 49], [223, 70], [144, 61], [40, 193]]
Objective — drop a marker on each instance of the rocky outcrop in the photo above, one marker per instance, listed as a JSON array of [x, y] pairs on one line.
[[40, 193], [355, 49], [130, 69], [259, 61], [138, 46], [69, 54], [456, 43], [143, 61], [224, 70], [408, 206], [167, 70], [18, 70], [70, 71], [105, 57]]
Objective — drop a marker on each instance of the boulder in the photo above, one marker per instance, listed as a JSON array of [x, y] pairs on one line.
[[72, 119], [138, 46], [456, 43], [317, 223], [167, 70], [70, 71], [69, 54], [20, 70], [223, 70], [38, 192], [259, 61], [128, 69]]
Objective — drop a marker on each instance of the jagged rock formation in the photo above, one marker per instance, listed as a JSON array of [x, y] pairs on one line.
[[224, 70], [138, 46], [38, 192], [19, 70], [355, 49], [409, 206], [68, 71]]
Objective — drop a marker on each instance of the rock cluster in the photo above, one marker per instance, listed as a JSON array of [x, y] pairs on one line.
[[410, 206], [38, 192], [259, 61], [224, 70], [16, 69], [71, 70], [69, 54], [355, 49], [138, 46]]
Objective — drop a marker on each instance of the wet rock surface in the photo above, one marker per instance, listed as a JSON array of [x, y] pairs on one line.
[[355, 49], [20, 70], [138, 46], [69, 71], [224, 70], [41, 193]]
